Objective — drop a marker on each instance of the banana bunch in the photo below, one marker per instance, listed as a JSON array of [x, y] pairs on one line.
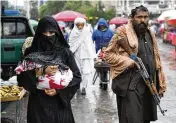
[[9, 91]]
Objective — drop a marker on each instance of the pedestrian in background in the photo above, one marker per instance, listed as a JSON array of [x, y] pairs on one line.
[[102, 35], [64, 32], [134, 99], [81, 45], [49, 105]]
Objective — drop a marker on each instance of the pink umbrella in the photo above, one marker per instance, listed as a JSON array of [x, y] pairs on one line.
[[68, 16], [118, 20]]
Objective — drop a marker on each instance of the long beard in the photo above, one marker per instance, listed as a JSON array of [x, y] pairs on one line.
[[140, 28]]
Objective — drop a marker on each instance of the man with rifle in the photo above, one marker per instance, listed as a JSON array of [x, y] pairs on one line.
[[136, 69]]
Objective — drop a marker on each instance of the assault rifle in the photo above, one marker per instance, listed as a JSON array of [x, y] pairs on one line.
[[123, 42]]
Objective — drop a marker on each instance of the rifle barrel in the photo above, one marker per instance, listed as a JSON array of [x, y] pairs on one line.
[[149, 83]]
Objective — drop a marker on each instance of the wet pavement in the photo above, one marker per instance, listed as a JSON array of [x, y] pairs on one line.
[[99, 106]]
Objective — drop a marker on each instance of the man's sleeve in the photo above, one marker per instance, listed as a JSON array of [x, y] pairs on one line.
[[114, 57]]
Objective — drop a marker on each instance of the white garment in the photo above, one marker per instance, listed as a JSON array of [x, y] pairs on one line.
[[89, 28], [112, 27], [85, 80], [82, 46], [82, 40], [59, 81], [98, 53]]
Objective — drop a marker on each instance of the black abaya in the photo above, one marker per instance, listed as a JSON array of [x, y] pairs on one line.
[[41, 107], [45, 109]]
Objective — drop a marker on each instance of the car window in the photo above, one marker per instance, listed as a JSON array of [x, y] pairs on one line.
[[21, 28], [9, 29], [13, 29]]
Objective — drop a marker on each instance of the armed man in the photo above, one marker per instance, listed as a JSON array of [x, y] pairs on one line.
[[136, 70]]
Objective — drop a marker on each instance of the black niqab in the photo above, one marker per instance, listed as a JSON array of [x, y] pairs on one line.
[[47, 23], [45, 50]]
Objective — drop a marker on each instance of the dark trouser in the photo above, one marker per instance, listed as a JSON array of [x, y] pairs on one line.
[[137, 106]]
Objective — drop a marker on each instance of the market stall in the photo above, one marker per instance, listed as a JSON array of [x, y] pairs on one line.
[[11, 93], [174, 39]]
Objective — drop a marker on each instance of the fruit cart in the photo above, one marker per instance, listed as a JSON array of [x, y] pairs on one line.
[[9, 94]]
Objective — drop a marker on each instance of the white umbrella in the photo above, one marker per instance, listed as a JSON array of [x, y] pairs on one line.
[[165, 14]]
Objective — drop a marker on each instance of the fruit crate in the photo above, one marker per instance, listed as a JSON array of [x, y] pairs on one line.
[[14, 98]]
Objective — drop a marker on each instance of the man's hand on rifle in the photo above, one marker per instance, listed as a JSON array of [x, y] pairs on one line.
[[133, 57], [161, 94], [133, 64]]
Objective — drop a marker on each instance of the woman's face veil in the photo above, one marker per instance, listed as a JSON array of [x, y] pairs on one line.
[[42, 42]]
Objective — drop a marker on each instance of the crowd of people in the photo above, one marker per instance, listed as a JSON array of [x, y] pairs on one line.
[[50, 53]]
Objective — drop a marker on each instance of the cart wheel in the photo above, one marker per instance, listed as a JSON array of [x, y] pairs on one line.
[[104, 86]]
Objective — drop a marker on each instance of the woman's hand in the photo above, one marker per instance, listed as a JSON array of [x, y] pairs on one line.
[[51, 70], [50, 92]]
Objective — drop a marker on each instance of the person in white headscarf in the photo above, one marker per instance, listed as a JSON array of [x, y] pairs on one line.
[[81, 45]]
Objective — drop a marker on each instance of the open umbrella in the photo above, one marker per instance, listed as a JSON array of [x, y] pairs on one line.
[[166, 14], [118, 20], [68, 16]]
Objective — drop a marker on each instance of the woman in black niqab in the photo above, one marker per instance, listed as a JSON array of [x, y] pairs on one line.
[[46, 48], [49, 50], [41, 42]]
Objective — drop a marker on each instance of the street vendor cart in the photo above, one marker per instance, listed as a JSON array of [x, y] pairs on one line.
[[102, 71], [11, 94]]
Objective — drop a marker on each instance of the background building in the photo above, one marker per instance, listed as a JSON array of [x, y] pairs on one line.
[[123, 7]]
